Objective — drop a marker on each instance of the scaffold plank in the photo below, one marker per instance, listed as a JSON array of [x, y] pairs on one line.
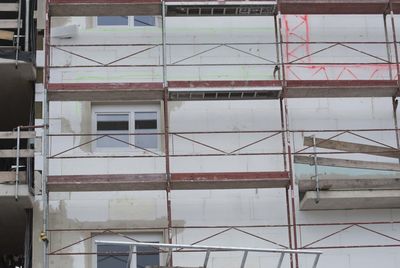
[[9, 177], [229, 180], [334, 6], [224, 83], [209, 90], [338, 182], [179, 181], [347, 163], [24, 153], [104, 91], [14, 135], [340, 88], [8, 7], [218, 8], [122, 182], [104, 7], [396, 6], [352, 147], [303, 88]]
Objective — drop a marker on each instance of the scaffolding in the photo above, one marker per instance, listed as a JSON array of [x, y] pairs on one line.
[[280, 88]]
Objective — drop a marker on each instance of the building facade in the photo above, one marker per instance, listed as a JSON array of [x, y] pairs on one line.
[[242, 124]]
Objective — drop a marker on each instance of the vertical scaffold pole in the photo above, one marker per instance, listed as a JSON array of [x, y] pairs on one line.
[[396, 54], [166, 130], [18, 33], [288, 145], [279, 66], [45, 137], [395, 46], [17, 162]]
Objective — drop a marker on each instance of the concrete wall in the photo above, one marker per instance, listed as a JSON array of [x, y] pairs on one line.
[[218, 207]]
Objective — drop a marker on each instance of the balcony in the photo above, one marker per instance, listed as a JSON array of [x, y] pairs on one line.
[[16, 169], [347, 179], [17, 33]]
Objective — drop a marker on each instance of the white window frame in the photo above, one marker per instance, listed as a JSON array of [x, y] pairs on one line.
[[131, 23], [129, 109], [142, 237]]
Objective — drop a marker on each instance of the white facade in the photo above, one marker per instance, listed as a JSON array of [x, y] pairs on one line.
[[197, 214]]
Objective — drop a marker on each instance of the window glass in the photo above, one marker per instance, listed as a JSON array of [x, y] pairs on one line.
[[113, 124], [112, 256], [117, 256], [146, 122], [144, 21], [147, 257], [112, 20]]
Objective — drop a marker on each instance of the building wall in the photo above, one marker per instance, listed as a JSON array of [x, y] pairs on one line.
[[248, 207]]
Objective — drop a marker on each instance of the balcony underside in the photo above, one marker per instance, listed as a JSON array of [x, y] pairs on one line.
[[222, 90], [228, 8], [179, 181], [7, 196], [348, 184], [13, 219], [16, 92], [356, 199]]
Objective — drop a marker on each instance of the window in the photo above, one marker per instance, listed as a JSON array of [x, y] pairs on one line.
[[114, 251], [144, 21], [113, 21], [136, 21], [108, 123], [146, 122], [118, 256], [121, 123]]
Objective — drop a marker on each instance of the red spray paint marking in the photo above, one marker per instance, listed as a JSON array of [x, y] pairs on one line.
[[301, 31], [312, 70]]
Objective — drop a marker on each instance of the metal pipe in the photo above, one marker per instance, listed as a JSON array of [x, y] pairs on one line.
[[243, 263], [395, 104], [280, 260], [18, 33], [225, 43], [389, 54], [166, 130], [288, 144], [211, 248], [316, 260], [206, 259], [17, 162], [289, 225], [395, 47], [129, 261], [27, 20], [316, 170], [394, 100], [227, 226], [45, 149], [221, 132]]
